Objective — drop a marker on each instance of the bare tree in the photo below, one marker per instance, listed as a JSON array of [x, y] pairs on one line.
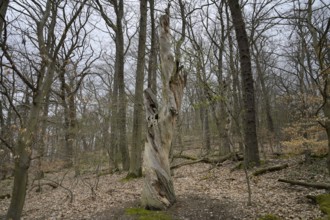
[[48, 48], [118, 130], [249, 113], [137, 140]]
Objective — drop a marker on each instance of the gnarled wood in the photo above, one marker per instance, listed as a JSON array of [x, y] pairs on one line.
[[158, 191]]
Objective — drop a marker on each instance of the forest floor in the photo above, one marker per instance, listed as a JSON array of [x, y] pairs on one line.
[[203, 191]]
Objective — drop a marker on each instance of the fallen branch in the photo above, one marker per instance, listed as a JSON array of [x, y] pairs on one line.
[[312, 185], [65, 188], [184, 156], [185, 164], [270, 169], [53, 185], [216, 161]]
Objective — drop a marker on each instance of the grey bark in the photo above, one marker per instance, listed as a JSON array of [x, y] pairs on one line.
[[206, 129], [118, 137], [249, 114], [152, 67], [67, 148], [42, 138], [113, 145], [3, 10], [236, 112], [135, 169], [222, 124], [119, 67]]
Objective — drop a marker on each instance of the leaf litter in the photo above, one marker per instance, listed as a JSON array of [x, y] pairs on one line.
[[203, 192]]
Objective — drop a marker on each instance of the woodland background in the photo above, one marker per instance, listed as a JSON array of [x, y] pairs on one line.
[[73, 74]]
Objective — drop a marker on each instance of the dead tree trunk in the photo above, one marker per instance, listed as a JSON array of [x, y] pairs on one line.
[[158, 191]]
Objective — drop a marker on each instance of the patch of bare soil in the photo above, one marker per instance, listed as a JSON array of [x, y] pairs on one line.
[[203, 192]]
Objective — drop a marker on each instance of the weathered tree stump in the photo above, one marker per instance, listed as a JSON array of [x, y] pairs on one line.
[[158, 192]]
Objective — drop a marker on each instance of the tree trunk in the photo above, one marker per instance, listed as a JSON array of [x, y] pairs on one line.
[[264, 91], [326, 110], [42, 138], [319, 46], [67, 151], [23, 149], [113, 145], [152, 68], [249, 114], [135, 169], [158, 191], [206, 129], [3, 10], [119, 66], [72, 126], [236, 112]]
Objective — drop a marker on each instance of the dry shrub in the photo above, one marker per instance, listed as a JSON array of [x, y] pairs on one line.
[[298, 146], [304, 135]]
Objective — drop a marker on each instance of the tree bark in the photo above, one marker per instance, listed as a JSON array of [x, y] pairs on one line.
[[236, 112], [42, 138], [249, 113], [135, 169], [3, 10], [113, 145], [68, 150], [119, 66], [152, 67], [158, 191]]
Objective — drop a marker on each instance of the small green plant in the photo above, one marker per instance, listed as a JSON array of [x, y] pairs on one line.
[[126, 179], [324, 201], [131, 176], [269, 217], [143, 214]]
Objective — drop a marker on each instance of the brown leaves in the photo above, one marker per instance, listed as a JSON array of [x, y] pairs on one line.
[[199, 181]]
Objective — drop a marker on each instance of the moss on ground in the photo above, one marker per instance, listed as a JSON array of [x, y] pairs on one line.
[[143, 214], [269, 217], [324, 201], [131, 176]]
